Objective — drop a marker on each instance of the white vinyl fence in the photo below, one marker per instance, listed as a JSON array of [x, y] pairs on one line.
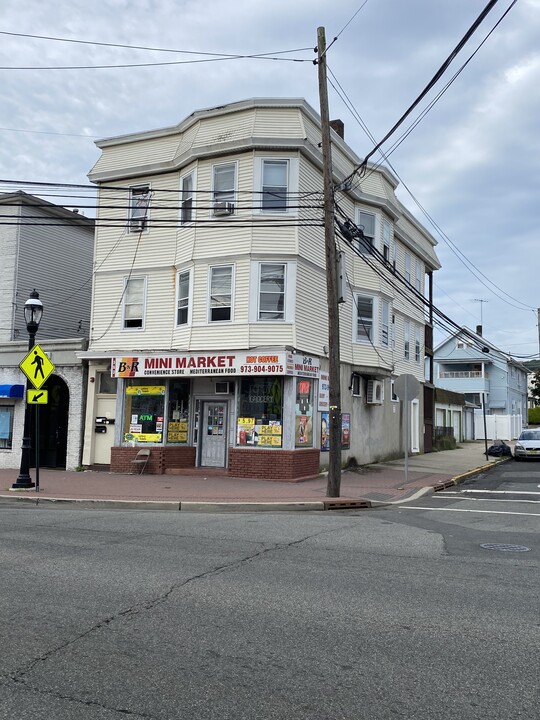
[[499, 427]]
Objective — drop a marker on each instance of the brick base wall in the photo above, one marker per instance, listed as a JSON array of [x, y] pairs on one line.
[[278, 465], [161, 458]]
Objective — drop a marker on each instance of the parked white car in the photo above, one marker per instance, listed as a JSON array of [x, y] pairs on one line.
[[527, 445]]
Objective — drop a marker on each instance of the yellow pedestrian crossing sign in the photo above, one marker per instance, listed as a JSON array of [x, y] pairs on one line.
[[37, 397], [36, 366]]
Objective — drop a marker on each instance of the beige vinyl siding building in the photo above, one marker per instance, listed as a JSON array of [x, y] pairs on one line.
[[209, 311]]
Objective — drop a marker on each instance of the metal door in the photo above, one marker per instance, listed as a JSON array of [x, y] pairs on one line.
[[213, 432]]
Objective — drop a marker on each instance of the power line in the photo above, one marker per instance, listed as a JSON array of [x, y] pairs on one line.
[[468, 264], [491, 4], [144, 47]]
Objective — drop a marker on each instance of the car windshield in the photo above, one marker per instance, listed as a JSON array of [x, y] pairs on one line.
[[530, 435]]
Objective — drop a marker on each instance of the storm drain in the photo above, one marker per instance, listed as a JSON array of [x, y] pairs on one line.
[[505, 547]]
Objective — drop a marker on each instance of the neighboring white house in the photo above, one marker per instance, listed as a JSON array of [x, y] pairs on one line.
[[47, 248], [209, 307]]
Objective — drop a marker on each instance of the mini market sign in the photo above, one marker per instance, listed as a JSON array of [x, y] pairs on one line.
[[222, 364]]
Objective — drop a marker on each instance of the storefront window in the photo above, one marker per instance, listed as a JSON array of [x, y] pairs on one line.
[[178, 412], [260, 415], [6, 426], [303, 426], [144, 414]]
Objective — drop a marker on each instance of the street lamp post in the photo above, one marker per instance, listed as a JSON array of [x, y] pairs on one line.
[[33, 311]]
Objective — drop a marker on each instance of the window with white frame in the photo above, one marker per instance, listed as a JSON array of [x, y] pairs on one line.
[[139, 202], [407, 267], [187, 189], [393, 332], [385, 323], [417, 344], [366, 223], [272, 291], [184, 294], [224, 187], [356, 385], [406, 339], [220, 303], [387, 239], [393, 395], [6, 426], [364, 318], [419, 277], [134, 303], [275, 183], [394, 254]]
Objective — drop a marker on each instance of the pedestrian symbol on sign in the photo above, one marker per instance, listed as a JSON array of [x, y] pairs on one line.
[[37, 366]]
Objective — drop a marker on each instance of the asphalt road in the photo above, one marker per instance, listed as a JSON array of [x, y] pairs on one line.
[[393, 613]]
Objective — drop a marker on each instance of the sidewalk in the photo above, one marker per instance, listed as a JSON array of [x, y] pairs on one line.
[[367, 486]]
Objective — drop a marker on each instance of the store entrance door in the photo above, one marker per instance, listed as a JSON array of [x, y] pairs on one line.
[[213, 429]]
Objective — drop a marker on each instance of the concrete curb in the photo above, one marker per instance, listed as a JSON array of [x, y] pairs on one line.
[[428, 490], [482, 468], [201, 507], [95, 504]]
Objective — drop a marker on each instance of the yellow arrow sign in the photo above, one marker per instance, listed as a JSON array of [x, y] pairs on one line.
[[37, 397], [36, 366]]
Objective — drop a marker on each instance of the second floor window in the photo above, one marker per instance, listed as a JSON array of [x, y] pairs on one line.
[[182, 312], [387, 239], [186, 198], [385, 324], [139, 201], [224, 186], [366, 223], [134, 301], [406, 340], [417, 345], [419, 278], [272, 291], [220, 293], [274, 185], [364, 318], [407, 267]]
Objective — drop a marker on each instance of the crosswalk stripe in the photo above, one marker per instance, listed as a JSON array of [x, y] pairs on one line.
[[440, 496], [467, 510]]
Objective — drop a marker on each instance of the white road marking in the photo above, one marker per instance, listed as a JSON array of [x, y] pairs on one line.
[[503, 492], [438, 496], [488, 512]]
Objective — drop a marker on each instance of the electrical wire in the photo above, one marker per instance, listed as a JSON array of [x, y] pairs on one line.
[[468, 264], [411, 295], [440, 72], [144, 47], [418, 120]]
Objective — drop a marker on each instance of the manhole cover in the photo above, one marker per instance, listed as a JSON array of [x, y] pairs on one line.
[[504, 547]]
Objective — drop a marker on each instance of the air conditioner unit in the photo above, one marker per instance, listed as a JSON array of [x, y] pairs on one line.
[[374, 392], [223, 208], [137, 225], [223, 388]]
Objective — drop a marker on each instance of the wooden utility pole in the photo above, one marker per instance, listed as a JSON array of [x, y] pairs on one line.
[[334, 468]]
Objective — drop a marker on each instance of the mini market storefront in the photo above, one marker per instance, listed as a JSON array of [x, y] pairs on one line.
[[251, 413]]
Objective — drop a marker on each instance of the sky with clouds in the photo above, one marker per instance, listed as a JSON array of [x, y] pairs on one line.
[[472, 164]]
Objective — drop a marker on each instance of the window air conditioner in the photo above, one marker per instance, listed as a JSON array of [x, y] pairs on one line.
[[374, 392], [137, 225], [223, 208], [223, 388]]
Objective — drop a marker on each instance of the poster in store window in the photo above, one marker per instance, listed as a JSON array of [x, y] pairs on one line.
[[345, 431], [303, 431]]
